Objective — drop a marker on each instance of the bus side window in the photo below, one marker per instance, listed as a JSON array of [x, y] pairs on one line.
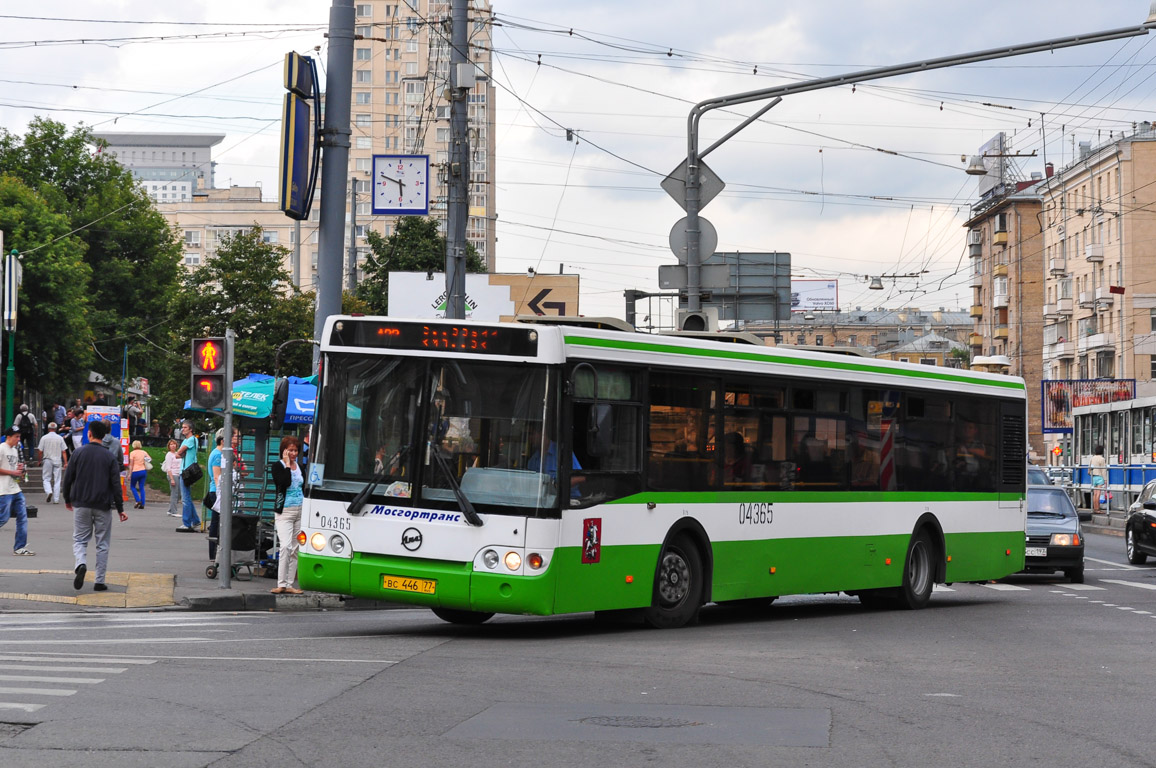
[[681, 436]]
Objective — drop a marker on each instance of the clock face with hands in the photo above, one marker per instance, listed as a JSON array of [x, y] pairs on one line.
[[401, 184]]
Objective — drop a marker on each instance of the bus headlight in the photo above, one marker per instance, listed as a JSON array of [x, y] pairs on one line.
[[490, 558], [337, 543], [317, 541], [513, 561]]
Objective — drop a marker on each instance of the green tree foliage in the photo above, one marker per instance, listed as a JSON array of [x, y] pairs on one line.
[[53, 353], [415, 246], [247, 288], [132, 254]]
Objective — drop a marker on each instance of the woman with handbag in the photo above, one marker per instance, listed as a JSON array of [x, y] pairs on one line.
[[139, 464], [288, 482], [172, 469]]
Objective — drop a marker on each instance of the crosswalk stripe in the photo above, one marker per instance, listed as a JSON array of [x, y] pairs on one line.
[[1006, 587], [23, 707], [48, 679], [39, 668], [1082, 587], [56, 658], [1130, 583], [38, 691], [47, 628]]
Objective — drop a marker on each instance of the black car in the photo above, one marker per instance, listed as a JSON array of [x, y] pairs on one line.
[[1055, 541], [1140, 528]]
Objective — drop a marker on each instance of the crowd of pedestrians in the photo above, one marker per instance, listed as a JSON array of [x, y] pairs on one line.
[[90, 477]]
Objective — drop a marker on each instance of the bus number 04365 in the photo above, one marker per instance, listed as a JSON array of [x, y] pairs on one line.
[[756, 514]]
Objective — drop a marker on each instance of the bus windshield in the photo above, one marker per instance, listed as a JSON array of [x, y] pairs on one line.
[[383, 418]]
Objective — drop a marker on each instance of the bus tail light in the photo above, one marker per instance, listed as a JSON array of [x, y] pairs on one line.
[[534, 560]]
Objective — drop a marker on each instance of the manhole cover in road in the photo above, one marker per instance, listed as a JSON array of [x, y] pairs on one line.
[[637, 721]]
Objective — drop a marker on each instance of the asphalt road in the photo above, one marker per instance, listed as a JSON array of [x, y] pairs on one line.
[[1027, 671]]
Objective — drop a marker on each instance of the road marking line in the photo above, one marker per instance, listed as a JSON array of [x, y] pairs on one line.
[[1006, 587], [38, 668], [1084, 587], [941, 588], [24, 707], [1110, 605], [91, 627], [1122, 608], [132, 641], [1118, 566], [1144, 613], [59, 658], [39, 691], [1130, 583], [48, 679]]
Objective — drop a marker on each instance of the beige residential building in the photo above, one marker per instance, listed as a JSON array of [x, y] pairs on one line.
[[1100, 242], [1005, 248], [872, 330], [210, 214]]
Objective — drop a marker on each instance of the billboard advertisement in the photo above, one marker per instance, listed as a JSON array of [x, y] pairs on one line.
[[814, 295], [1060, 396]]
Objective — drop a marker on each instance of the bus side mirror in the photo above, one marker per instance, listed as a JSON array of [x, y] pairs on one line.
[[280, 404]]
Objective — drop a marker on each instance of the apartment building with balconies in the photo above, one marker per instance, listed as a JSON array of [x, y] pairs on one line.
[[401, 70], [1100, 284], [1005, 248]]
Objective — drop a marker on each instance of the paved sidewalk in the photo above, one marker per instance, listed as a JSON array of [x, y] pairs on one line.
[[150, 565]]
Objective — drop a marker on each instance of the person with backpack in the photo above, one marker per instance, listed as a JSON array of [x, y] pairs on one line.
[[26, 423]]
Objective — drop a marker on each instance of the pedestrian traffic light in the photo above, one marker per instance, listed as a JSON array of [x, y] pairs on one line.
[[1057, 451], [209, 366]]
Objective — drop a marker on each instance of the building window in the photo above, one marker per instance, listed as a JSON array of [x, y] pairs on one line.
[[411, 45], [364, 142], [364, 164], [903, 360], [363, 209], [819, 340], [361, 54], [363, 120], [411, 67], [1152, 320], [270, 236], [192, 259], [443, 135], [364, 76], [361, 97], [927, 361], [365, 10], [192, 238], [414, 92]]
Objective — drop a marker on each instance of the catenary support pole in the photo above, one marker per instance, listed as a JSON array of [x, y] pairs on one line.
[[334, 163]]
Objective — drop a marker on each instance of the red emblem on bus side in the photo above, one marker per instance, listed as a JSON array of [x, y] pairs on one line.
[[591, 540]]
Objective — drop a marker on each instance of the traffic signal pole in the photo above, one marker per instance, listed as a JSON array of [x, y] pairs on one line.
[[225, 488]]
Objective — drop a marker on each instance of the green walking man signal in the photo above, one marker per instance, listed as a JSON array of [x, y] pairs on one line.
[[209, 364]]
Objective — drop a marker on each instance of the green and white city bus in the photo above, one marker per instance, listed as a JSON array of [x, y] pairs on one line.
[[482, 468]]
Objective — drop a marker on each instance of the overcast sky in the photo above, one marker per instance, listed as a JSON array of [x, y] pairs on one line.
[[854, 183]]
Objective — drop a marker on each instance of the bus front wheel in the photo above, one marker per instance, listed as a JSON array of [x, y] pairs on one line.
[[678, 586], [455, 616], [918, 572]]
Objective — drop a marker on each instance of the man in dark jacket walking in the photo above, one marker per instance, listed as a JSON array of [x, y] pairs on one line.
[[92, 482]]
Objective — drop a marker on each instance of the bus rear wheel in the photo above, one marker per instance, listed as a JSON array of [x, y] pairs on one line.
[[678, 586], [455, 616], [918, 572]]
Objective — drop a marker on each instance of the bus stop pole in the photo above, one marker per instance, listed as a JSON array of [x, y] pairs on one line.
[[225, 487]]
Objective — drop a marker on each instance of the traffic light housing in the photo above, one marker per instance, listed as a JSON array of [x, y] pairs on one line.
[[209, 366]]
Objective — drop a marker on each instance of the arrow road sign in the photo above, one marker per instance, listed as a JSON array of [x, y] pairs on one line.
[[538, 307]]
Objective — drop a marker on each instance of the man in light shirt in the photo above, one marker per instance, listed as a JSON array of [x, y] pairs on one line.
[[53, 460], [11, 497]]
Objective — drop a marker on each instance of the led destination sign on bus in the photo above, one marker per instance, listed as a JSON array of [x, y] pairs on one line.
[[437, 338]]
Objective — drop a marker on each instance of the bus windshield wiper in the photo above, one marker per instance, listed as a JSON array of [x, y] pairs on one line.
[[464, 504], [387, 471], [364, 494]]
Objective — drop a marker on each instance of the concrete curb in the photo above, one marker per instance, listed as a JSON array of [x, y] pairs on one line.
[[234, 600]]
